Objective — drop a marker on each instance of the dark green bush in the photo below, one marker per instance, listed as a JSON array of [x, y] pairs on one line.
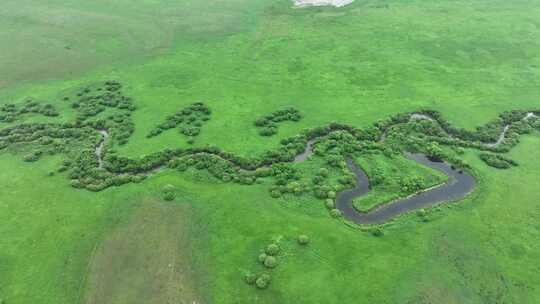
[[250, 278], [263, 281], [330, 204], [270, 262], [377, 231], [262, 257], [335, 213], [268, 124], [169, 196], [272, 249], [497, 161], [189, 121]]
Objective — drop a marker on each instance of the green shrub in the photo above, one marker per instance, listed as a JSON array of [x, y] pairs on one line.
[[270, 262], [32, 157], [275, 193], [262, 257], [250, 278], [377, 231], [335, 213], [331, 194], [272, 249], [268, 124], [303, 239], [263, 281], [330, 204], [169, 196], [497, 161], [410, 184]]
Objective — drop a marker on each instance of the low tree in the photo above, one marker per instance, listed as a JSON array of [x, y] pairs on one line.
[[272, 249], [303, 239], [270, 262]]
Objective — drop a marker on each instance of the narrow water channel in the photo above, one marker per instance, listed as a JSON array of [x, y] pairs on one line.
[[459, 184]]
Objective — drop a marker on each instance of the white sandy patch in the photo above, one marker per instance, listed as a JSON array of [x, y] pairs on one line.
[[336, 3]]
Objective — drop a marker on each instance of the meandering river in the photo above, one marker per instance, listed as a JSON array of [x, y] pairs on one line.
[[459, 184]]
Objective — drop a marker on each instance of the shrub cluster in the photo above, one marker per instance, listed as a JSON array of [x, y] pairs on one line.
[[497, 161], [268, 125], [334, 142], [263, 281], [268, 259], [45, 138], [286, 180], [91, 101], [188, 121], [485, 134], [410, 184], [12, 112]]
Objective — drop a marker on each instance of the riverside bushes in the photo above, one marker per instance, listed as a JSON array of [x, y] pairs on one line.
[[79, 140], [497, 161], [268, 125]]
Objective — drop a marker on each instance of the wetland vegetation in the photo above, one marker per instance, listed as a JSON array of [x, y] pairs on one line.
[[184, 151]]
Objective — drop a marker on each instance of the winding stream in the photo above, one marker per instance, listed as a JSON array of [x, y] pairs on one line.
[[459, 184], [307, 152], [419, 116], [99, 148]]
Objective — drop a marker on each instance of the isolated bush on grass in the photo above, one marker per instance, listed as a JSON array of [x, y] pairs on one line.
[[169, 196], [303, 239]]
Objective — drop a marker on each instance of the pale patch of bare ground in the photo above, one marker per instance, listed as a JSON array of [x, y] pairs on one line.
[[336, 3], [147, 259]]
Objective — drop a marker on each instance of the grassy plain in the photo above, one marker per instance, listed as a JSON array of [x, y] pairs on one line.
[[357, 64]]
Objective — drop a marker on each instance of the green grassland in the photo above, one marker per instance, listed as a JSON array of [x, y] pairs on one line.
[[470, 60]]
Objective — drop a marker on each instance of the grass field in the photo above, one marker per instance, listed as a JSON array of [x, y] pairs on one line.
[[470, 60]]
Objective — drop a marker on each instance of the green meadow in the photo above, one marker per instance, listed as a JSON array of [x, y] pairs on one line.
[[469, 60]]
